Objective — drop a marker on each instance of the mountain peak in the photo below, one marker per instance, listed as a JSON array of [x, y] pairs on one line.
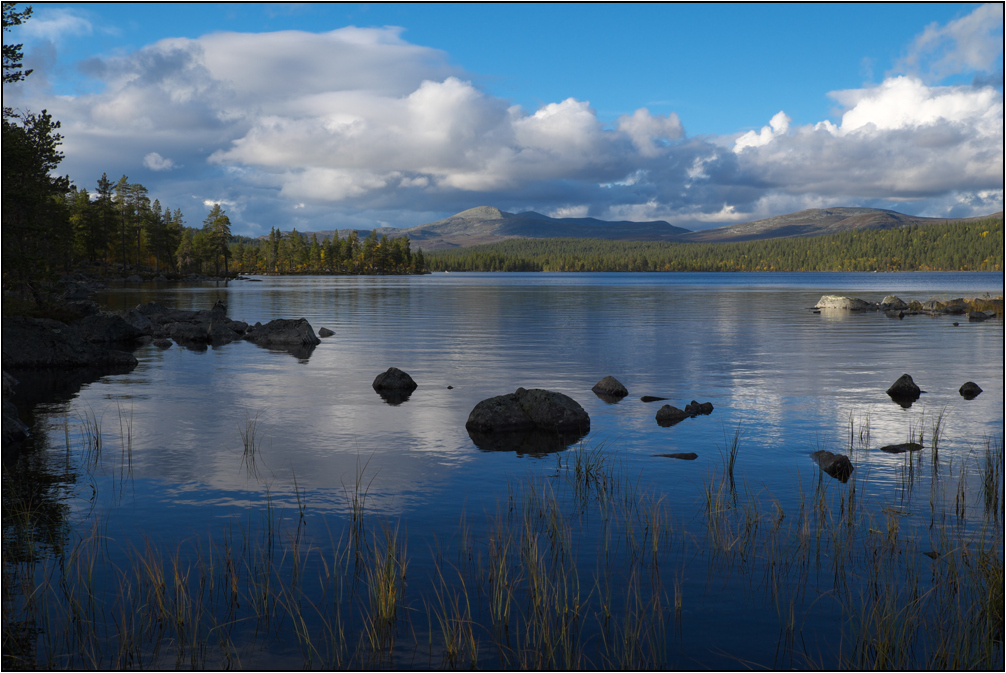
[[481, 213]]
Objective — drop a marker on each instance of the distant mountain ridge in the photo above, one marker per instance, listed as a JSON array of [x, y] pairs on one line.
[[816, 222], [488, 224]]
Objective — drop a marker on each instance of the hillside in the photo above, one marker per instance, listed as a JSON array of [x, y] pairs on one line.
[[486, 224], [815, 222], [973, 245]]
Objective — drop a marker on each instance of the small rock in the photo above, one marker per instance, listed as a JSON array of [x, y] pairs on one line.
[[325, 332], [668, 416], [162, 343], [904, 390], [651, 398], [450, 387], [394, 380], [901, 448], [970, 390], [977, 316], [134, 279], [956, 324], [609, 385]]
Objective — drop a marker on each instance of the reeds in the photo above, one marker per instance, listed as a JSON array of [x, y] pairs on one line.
[[588, 570]]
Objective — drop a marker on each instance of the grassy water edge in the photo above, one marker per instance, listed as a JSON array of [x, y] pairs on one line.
[[578, 567]]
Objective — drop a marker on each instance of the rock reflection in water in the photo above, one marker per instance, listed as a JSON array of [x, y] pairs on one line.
[[533, 442]]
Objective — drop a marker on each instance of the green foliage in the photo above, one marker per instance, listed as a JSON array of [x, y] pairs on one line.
[[961, 246], [295, 252]]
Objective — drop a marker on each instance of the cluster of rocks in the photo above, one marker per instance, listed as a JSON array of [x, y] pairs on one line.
[[668, 415], [905, 392], [893, 306]]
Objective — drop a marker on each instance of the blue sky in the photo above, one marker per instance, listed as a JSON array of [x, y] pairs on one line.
[[317, 116]]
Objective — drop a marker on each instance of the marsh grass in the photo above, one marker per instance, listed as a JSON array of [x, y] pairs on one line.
[[580, 568]]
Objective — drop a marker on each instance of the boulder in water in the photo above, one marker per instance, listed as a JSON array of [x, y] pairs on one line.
[[970, 390], [610, 386], [834, 464]]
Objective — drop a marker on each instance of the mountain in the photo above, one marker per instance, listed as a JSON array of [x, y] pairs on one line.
[[813, 222], [486, 224]]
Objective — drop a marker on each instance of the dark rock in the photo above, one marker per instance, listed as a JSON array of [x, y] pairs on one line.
[[186, 332], [610, 386], [134, 279], [531, 442], [679, 456], [162, 343], [904, 391], [450, 387], [970, 390], [38, 343], [282, 332], [651, 398], [105, 328], [219, 310], [160, 279], [238, 326], [14, 430], [325, 332], [977, 316], [668, 416], [152, 308], [706, 408], [527, 410], [553, 411], [83, 308], [901, 448], [394, 380], [956, 324], [395, 397], [144, 340], [219, 332], [499, 414], [138, 320], [834, 464]]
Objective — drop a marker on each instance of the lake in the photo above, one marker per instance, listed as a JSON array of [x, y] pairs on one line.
[[783, 380]]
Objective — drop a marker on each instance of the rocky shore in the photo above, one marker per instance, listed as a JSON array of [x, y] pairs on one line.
[[974, 308]]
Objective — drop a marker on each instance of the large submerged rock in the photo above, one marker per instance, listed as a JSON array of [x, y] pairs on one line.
[[904, 391], [394, 386], [834, 464], [529, 421], [283, 332], [970, 390]]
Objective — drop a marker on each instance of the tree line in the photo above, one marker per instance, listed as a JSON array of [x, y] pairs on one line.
[[961, 246], [294, 252], [51, 227]]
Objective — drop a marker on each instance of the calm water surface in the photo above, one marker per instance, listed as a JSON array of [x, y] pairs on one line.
[[790, 379]]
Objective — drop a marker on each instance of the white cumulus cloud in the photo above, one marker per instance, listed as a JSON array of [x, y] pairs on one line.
[[156, 162]]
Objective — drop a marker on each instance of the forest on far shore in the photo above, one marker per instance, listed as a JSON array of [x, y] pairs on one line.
[[975, 245]]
